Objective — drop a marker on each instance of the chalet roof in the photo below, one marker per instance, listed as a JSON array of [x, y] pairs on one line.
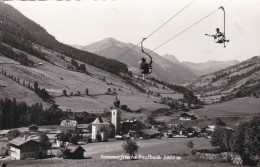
[[197, 129], [4, 132], [186, 115], [33, 125], [72, 122], [150, 131], [73, 148], [98, 120], [20, 141]]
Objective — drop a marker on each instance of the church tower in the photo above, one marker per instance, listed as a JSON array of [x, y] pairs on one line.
[[116, 119]]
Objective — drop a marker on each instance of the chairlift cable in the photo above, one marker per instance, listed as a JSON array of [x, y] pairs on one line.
[[169, 19], [157, 29], [189, 27]]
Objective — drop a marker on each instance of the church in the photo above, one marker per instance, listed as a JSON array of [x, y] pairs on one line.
[[102, 131]]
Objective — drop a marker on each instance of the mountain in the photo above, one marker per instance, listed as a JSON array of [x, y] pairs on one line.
[[162, 68], [36, 68], [38, 35], [209, 66], [76, 46], [171, 58], [202, 68], [239, 80]]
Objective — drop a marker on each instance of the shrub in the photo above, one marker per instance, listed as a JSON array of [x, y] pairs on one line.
[[130, 147]]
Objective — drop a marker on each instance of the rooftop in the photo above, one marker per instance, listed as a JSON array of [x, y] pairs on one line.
[[73, 122], [151, 131], [73, 148], [4, 132], [98, 120], [22, 140]]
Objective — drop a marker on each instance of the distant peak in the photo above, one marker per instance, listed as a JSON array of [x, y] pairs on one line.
[[171, 58], [110, 40]]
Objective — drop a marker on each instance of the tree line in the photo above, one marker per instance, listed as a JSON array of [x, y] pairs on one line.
[[20, 57], [14, 35], [15, 114], [243, 141], [41, 92]]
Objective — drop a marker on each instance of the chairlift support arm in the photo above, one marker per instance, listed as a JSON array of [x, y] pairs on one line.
[[224, 23], [144, 51]]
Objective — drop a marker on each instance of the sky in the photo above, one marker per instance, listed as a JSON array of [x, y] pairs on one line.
[[88, 21]]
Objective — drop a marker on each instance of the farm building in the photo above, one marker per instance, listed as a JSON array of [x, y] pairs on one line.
[[74, 152], [33, 128], [22, 148], [68, 126], [4, 132], [150, 133], [186, 116], [131, 125]]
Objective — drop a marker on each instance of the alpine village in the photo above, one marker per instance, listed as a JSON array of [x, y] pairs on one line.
[[63, 105]]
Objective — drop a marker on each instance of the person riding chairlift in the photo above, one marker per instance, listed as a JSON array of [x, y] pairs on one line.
[[145, 67], [219, 37]]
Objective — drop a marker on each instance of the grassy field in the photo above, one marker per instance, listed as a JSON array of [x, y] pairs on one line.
[[153, 147], [231, 112]]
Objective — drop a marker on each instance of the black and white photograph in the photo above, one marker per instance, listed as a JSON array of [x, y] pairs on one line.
[[129, 83]]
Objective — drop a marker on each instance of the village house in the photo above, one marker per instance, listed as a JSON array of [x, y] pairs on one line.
[[187, 117], [33, 128], [150, 133], [127, 126], [75, 152], [4, 133], [68, 126], [23, 148]]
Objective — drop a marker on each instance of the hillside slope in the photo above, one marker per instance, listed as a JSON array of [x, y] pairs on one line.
[[75, 80], [209, 66], [36, 34], [162, 68], [240, 80]]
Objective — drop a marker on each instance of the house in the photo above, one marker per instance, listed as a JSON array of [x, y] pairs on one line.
[[74, 152], [150, 133], [186, 116], [103, 129], [4, 133], [192, 132], [68, 126], [33, 128], [207, 131], [132, 133], [128, 126], [24, 147]]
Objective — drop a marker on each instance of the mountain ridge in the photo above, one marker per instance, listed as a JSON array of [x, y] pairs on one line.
[[162, 68]]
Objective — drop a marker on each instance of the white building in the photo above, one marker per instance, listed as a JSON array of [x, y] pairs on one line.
[[3, 146], [99, 127], [22, 148], [68, 126], [116, 119]]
